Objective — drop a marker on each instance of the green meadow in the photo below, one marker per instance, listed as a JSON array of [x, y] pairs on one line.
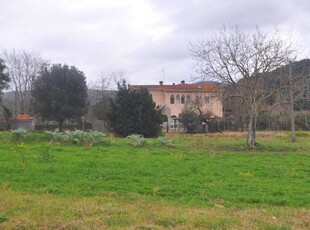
[[210, 181]]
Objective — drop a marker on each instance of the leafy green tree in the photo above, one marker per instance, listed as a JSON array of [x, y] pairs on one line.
[[134, 112], [60, 93], [4, 83], [4, 77]]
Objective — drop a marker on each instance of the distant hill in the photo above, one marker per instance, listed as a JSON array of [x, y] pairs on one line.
[[93, 95], [219, 84]]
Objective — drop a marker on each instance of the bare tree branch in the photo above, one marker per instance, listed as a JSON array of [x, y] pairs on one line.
[[23, 68], [243, 60]]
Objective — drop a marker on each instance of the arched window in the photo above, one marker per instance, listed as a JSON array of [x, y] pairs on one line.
[[172, 99], [188, 99], [177, 99], [182, 99], [197, 99]]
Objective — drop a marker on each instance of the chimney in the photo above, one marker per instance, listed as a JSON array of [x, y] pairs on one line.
[[161, 83], [173, 83], [182, 82]]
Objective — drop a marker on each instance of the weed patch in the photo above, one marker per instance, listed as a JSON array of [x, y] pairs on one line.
[[3, 218]]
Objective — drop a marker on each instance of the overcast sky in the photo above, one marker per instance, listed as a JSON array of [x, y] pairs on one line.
[[142, 37]]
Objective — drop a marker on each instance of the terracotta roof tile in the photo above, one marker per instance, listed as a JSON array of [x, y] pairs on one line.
[[189, 87], [23, 117]]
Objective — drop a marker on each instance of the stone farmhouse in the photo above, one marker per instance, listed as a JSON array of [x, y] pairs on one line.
[[172, 99]]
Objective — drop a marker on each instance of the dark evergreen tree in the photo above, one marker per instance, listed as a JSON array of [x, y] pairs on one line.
[[60, 93], [134, 112], [4, 78]]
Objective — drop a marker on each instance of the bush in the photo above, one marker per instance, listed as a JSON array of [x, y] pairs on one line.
[[215, 125], [3, 218], [93, 137], [75, 137], [19, 134], [137, 140], [166, 142], [190, 119], [53, 136], [78, 137]]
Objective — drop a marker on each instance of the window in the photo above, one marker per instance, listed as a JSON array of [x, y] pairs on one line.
[[197, 99], [188, 99], [182, 99], [172, 99], [177, 99]]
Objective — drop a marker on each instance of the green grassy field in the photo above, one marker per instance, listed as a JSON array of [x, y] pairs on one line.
[[206, 181]]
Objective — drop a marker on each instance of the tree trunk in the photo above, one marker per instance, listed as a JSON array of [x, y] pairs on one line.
[[15, 103], [251, 140], [22, 104], [306, 121], [292, 113], [60, 126]]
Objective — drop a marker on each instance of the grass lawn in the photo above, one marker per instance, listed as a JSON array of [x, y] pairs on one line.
[[211, 181]]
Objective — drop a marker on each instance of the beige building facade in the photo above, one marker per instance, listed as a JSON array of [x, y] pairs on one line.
[[172, 99]]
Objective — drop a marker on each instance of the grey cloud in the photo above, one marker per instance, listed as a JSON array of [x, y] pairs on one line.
[[96, 36], [172, 47], [195, 16]]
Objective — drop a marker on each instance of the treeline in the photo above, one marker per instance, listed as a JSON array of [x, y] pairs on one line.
[[289, 87], [58, 93]]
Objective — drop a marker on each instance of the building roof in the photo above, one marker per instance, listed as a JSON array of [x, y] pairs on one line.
[[179, 87], [23, 117]]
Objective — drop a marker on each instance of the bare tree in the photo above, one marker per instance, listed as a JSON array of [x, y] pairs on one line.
[[243, 59], [103, 90], [295, 93], [23, 68], [203, 103]]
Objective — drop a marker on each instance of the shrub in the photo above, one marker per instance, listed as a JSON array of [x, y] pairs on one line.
[[19, 134], [190, 119], [53, 136], [75, 137], [166, 142], [78, 137], [137, 140], [93, 137], [3, 218], [215, 125]]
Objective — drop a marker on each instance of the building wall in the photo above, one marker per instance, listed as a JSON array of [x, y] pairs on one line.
[[162, 98], [158, 97], [28, 125], [175, 108]]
